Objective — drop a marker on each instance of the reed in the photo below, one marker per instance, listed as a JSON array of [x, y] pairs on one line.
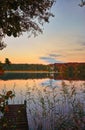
[[52, 109]]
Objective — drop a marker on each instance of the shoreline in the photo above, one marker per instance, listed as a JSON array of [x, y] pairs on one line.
[[22, 71]]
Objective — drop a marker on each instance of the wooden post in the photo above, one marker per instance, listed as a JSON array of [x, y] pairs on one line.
[[25, 102]]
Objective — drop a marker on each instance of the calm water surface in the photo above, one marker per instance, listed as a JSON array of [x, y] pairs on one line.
[[37, 91], [21, 86]]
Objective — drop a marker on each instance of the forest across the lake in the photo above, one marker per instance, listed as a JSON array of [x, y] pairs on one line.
[[59, 70]]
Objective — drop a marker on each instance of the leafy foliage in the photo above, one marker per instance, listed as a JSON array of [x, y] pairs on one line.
[[70, 69], [4, 107], [18, 16], [4, 99]]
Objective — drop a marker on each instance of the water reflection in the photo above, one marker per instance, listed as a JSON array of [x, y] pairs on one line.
[[50, 103], [23, 75]]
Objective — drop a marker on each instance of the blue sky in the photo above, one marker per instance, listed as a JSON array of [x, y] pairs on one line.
[[63, 39]]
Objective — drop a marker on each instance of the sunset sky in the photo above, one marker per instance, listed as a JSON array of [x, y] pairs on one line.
[[63, 39]]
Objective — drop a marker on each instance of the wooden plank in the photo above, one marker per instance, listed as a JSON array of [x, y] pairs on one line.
[[16, 117]]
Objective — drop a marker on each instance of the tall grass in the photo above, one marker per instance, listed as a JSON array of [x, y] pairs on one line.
[[53, 108]]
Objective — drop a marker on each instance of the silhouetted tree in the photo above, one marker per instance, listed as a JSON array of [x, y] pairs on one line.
[[7, 61], [18, 16]]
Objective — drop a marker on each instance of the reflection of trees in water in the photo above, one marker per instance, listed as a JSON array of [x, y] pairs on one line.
[[69, 76], [23, 76], [55, 76]]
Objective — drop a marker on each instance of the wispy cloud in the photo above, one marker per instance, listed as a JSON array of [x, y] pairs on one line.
[[83, 43], [51, 58], [81, 49], [54, 55]]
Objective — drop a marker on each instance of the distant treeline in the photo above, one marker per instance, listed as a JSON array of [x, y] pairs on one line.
[[62, 70], [25, 67], [60, 67], [70, 69]]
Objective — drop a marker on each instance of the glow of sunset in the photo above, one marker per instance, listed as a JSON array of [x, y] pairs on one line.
[[63, 39]]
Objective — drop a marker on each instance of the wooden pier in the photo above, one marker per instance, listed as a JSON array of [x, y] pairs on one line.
[[16, 117]]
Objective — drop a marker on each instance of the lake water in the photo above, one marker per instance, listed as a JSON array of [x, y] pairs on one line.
[[45, 97]]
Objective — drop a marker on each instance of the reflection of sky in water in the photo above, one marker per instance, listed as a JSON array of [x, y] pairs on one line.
[[20, 86], [37, 90], [51, 82]]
